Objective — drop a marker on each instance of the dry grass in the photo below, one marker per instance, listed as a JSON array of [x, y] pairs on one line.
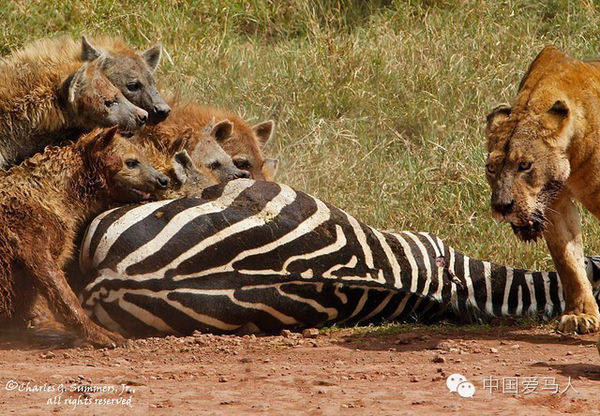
[[379, 104]]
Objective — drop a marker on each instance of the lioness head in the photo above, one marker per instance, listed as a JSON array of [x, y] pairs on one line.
[[528, 144]]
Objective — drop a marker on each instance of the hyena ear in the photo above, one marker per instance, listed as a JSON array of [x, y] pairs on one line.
[[76, 81], [102, 140], [222, 130], [88, 52], [184, 167], [178, 145], [152, 57], [269, 168], [496, 117], [264, 131]]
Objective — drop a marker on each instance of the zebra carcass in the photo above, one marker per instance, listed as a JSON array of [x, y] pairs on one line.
[[252, 256]]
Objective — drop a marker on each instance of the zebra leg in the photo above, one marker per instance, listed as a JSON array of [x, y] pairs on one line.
[[51, 281]]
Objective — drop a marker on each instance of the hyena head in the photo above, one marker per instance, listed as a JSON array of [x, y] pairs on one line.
[[191, 180], [209, 153], [95, 102], [128, 175], [173, 160], [132, 73], [246, 144]]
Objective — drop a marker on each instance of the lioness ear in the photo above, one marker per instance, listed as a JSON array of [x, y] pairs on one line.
[[496, 117], [222, 130], [264, 131], [557, 114], [152, 57], [559, 109], [88, 52]]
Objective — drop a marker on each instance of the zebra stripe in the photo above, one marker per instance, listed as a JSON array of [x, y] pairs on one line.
[[258, 256]]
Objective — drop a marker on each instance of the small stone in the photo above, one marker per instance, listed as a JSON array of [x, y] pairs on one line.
[[49, 355], [414, 379], [438, 359], [310, 333], [223, 379], [569, 352], [494, 350]]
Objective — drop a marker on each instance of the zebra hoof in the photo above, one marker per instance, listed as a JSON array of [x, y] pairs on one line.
[[581, 323]]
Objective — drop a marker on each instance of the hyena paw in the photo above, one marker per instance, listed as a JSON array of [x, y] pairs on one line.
[[106, 339]]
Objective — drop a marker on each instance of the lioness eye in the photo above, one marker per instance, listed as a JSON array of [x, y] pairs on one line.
[[490, 169], [215, 165], [523, 166], [110, 103], [132, 163], [134, 86]]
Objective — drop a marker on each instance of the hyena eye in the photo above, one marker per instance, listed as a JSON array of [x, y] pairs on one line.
[[524, 166], [490, 169], [132, 163], [134, 86], [215, 165], [110, 103], [241, 164]]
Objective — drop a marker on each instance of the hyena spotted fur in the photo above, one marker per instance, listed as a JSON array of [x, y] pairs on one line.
[[48, 95], [131, 72], [244, 144], [44, 202], [203, 145]]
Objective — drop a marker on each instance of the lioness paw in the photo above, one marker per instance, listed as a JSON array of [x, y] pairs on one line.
[[580, 323]]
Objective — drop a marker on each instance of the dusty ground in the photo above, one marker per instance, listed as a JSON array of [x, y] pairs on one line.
[[390, 370]]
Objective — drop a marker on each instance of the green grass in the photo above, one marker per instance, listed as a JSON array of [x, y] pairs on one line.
[[379, 104], [394, 328]]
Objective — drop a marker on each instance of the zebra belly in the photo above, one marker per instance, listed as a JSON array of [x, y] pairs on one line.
[[233, 303]]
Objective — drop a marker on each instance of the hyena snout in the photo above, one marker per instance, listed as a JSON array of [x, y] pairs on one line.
[[141, 116], [161, 111], [236, 173], [162, 181]]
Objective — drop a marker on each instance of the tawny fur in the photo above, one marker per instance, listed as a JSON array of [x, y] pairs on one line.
[[44, 202], [544, 154], [33, 107]]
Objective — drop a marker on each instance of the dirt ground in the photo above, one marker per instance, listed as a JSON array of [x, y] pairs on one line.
[[348, 371]]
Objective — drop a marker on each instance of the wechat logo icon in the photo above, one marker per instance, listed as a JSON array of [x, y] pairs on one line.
[[457, 383]]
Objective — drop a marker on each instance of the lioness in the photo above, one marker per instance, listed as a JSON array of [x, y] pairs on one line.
[[544, 152]]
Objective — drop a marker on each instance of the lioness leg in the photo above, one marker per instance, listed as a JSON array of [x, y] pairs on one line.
[[53, 284], [566, 247]]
